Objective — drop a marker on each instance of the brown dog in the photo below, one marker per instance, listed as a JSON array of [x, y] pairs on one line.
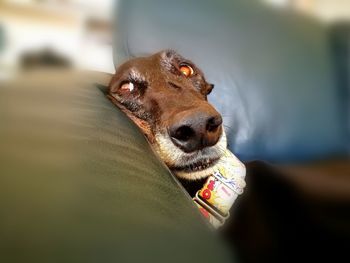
[[166, 96]]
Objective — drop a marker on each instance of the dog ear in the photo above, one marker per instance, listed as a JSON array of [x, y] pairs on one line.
[[208, 89]]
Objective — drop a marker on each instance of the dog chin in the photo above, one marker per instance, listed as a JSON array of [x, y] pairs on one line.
[[189, 166]]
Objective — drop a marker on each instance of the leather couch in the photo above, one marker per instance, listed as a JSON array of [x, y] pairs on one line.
[[276, 81]]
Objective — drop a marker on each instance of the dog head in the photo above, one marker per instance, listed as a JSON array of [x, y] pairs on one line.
[[166, 96]]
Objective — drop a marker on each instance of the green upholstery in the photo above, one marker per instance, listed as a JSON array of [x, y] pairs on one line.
[[79, 183]]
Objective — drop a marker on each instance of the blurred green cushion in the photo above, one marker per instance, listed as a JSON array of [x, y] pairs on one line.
[[79, 183]]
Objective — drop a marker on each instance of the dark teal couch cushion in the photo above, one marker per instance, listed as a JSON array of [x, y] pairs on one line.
[[340, 39], [273, 73]]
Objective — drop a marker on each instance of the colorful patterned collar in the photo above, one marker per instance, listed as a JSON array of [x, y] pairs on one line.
[[221, 189]]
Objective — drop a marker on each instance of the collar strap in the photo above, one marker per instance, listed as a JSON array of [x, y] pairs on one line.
[[221, 189]]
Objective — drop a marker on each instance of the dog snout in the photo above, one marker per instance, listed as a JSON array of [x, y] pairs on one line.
[[191, 131]]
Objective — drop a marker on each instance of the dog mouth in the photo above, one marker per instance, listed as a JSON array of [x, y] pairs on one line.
[[190, 166], [196, 166]]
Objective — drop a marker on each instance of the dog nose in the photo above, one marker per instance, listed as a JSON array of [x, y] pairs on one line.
[[196, 130]]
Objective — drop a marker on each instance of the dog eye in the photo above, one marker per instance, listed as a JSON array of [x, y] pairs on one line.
[[186, 70], [127, 87]]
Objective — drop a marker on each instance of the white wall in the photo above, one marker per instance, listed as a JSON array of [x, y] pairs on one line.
[[62, 27], [326, 10]]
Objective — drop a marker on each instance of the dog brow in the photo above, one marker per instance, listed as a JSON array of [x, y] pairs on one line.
[[167, 59], [136, 76]]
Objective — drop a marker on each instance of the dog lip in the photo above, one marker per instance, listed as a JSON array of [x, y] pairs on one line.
[[196, 166]]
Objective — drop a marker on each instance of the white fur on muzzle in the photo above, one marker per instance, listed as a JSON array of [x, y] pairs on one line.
[[190, 166]]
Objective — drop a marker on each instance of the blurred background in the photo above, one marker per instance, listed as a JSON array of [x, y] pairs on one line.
[[284, 95], [67, 32], [78, 32]]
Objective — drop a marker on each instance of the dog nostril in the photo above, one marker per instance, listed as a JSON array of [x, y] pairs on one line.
[[183, 133], [213, 123]]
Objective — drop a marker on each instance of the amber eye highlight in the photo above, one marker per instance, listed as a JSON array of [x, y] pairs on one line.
[[186, 70]]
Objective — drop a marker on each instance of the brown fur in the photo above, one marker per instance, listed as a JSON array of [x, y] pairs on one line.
[[170, 108]]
